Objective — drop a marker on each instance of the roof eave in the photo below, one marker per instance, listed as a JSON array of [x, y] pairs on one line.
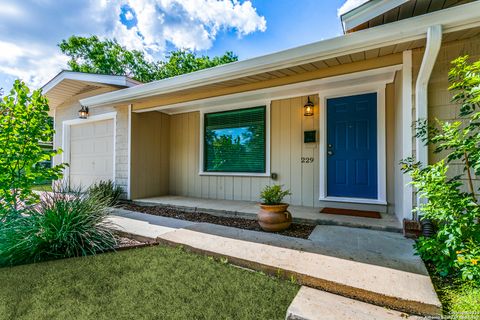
[[123, 81], [452, 19], [367, 12]]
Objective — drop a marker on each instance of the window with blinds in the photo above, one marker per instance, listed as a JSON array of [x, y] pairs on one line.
[[234, 141]]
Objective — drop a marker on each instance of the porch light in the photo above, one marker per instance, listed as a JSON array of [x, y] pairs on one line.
[[83, 113], [308, 108]]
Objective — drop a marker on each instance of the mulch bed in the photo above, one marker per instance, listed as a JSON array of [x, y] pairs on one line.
[[127, 243], [296, 230]]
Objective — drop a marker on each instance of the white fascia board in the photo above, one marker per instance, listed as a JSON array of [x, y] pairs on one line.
[[367, 12], [379, 76], [89, 77], [452, 19]]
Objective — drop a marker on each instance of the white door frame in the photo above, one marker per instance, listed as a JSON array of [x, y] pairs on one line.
[[66, 126], [374, 87]]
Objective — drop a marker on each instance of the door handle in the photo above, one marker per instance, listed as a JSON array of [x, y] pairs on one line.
[[330, 153]]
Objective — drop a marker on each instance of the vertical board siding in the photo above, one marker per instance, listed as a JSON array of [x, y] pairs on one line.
[[287, 149], [439, 98], [150, 160]]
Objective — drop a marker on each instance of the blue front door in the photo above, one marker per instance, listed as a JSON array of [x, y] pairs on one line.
[[352, 146]]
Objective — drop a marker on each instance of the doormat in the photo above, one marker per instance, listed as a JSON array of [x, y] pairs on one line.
[[354, 213]]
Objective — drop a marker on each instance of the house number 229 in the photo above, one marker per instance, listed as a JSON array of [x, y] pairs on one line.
[[307, 159]]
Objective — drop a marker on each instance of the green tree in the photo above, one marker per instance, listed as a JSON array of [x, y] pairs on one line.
[[181, 62], [24, 121], [93, 55]]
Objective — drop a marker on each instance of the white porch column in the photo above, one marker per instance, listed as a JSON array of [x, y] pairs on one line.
[[407, 133]]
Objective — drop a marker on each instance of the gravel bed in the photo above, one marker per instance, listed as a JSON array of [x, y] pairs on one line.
[[296, 230]]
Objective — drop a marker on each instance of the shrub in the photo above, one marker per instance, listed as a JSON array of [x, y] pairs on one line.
[[273, 194], [456, 246], [106, 190], [24, 122], [61, 225]]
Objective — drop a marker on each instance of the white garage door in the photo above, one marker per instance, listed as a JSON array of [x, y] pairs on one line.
[[91, 153]]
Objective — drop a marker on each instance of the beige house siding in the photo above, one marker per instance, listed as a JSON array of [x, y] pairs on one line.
[[439, 98], [287, 149], [150, 156], [69, 111]]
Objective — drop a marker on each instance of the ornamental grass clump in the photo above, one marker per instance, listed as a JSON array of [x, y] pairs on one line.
[[61, 225], [106, 190]]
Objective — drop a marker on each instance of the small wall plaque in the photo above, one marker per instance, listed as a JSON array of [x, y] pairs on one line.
[[310, 136]]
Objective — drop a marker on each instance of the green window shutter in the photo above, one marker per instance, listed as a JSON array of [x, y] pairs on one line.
[[234, 141]]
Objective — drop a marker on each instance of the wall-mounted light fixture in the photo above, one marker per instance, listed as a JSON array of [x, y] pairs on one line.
[[308, 108], [83, 113]]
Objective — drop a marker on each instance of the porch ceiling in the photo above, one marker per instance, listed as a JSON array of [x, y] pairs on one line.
[[360, 61]]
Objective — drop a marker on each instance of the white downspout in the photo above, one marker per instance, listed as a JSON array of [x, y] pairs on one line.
[[434, 42]]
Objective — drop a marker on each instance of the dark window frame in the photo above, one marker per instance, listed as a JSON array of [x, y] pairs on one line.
[[205, 145]]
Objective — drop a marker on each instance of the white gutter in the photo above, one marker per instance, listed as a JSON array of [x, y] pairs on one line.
[[453, 19], [434, 42]]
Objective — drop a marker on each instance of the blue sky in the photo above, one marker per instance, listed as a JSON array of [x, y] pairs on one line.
[[30, 29]]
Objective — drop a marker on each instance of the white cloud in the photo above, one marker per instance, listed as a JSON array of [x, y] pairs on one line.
[[350, 5], [28, 46], [34, 65], [129, 16]]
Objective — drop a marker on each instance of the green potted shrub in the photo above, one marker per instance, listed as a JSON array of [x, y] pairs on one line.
[[273, 215]]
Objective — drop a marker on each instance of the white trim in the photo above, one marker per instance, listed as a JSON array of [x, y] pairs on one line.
[[407, 136], [452, 19], [354, 200], [89, 77], [267, 105], [367, 12], [66, 125], [378, 75], [54, 140], [434, 42], [129, 156], [379, 89]]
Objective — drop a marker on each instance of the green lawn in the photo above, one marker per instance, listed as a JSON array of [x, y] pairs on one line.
[[43, 187], [149, 283], [458, 298]]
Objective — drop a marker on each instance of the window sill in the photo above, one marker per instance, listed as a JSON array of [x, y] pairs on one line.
[[235, 174]]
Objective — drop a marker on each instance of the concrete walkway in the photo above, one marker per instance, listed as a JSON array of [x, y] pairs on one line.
[[249, 209], [402, 284], [313, 304]]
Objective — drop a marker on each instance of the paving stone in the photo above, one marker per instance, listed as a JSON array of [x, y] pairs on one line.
[[313, 304]]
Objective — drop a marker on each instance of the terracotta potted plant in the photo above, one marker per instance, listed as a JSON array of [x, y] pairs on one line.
[[273, 215]]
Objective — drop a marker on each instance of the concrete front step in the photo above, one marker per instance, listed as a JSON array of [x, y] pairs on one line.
[[396, 289], [313, 304], [249, 210]]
